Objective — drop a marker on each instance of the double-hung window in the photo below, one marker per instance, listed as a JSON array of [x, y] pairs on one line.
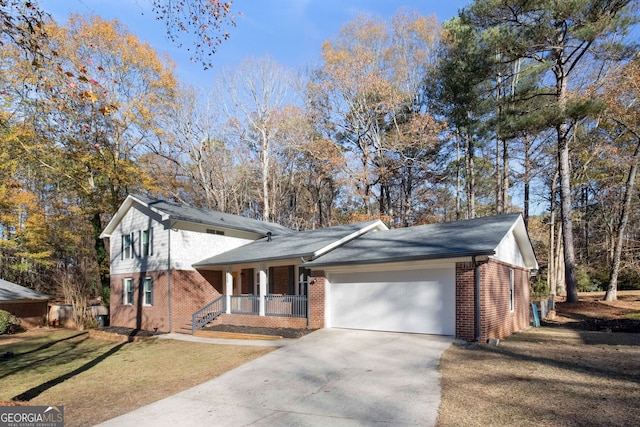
[[127, 291], [146, 244], [127, 246], [148, 291]]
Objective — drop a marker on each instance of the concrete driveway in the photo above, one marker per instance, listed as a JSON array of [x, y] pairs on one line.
[[332, 376]]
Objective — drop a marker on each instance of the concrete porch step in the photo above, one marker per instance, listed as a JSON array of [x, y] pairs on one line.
[[234, 335]]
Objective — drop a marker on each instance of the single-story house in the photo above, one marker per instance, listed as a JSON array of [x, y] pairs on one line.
[[178, 268], [24, 303]]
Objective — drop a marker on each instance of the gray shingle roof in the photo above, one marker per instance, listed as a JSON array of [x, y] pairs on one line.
[[213, 218], [10, 292], [478, 236], [285, 246]]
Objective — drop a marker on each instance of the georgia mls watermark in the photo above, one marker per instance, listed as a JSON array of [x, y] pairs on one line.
[[31, 416]]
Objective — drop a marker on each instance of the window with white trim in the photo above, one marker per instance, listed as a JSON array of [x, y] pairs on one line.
[[127, 246], [146, 243], [148, 291], [511, 291], [127, 291]]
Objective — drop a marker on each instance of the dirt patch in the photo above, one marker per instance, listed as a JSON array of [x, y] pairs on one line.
[[10, 340], [276, 332]]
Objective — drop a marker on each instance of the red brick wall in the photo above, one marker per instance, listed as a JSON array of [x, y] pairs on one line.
[[32, 313], [317, 283], [189, 292], [281, 278], [260, 321], [465, 301], [496, 318]]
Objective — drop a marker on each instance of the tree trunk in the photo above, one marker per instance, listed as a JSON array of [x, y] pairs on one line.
[[458, 177], [101, 253], [612, 289], [564, 169], [505, 176], [566, 212], [527, 179], [498, 172], [266, 211], [551, 269], [471, 183]]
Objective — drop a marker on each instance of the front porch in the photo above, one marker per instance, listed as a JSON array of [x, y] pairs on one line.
[[274, 296]]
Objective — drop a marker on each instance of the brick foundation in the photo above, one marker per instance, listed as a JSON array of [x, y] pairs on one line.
[[260, 321]]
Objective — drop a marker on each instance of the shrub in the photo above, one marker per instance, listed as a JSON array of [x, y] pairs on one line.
[[5, 321], [628, 280], [585, 282], [539, 288]]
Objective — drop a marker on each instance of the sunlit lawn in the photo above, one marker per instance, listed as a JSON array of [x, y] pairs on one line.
[[97, 380]]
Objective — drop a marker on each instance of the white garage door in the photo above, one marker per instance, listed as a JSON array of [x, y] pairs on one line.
[[418, 301]]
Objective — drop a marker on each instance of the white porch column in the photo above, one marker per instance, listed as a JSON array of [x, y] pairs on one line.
[[228, 289], [263, 288]]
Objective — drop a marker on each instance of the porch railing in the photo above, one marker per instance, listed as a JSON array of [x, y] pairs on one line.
[[286, 305], [206, 314], [275, 305], [245, 304]]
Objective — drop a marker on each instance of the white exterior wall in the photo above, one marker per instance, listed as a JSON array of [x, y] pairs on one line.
[[508, 251], [187, 247]]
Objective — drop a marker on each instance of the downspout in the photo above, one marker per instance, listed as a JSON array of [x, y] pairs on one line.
[[169, 278], [476, 278]]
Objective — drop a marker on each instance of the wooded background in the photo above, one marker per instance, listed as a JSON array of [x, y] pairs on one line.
[[527, 106]]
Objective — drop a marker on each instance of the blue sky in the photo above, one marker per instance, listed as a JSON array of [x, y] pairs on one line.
[[291, 31]]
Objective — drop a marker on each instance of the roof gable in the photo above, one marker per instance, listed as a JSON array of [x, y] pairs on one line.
[[171, 211], [308, 244]]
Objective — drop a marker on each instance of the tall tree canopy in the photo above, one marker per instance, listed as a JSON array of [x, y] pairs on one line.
[[557, 37]]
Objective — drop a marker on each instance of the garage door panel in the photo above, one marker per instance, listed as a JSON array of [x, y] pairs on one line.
[[419, 301]]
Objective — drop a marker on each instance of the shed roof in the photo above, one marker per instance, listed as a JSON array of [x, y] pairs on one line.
[[474, 237], [312, 243], [191, 214], [11, 292]]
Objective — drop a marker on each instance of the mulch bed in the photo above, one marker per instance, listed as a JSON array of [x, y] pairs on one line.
[[278, 332], [121, 334], [597, 315], [130, 332]]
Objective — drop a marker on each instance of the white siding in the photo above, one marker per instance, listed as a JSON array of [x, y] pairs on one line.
[[508, 251], [187, 247]]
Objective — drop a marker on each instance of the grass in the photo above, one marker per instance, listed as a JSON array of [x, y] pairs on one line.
[[98, 380], [550, 376]]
